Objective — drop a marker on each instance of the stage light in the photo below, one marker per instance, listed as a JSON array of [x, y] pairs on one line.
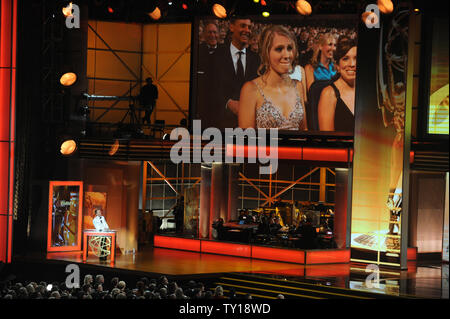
[[263, 2], [184, 6], [49, 287], [155, 14], [385, 6], [114, 148], [256, 1], [68, 147], [266, 14], [219, 11], [303, 7], [68, 79], [369, 17], [110, 10], [67, 11]]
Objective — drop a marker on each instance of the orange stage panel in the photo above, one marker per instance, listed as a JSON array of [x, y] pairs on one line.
[[327, 256], [216, 247], [278, 254], [177, 243]]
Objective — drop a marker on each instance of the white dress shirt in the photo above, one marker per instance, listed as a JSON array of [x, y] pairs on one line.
[[100, 223], [235, 56]]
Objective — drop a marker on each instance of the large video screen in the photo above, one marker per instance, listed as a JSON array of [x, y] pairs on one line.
[[438, 115], [293, 74]]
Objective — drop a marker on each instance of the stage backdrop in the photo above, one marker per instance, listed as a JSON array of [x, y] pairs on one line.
[[379, 141]]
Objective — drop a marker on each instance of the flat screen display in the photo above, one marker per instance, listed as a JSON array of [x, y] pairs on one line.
[[438, 116], [293, 74]]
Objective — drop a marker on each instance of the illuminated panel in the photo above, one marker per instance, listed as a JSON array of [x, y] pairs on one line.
[[277, 254], [71, 224], [325, 154], [412, 253], [177, 243], [215, 247], [293, 153], [8, 26], [342, 270], [438, 112], [327, 256]]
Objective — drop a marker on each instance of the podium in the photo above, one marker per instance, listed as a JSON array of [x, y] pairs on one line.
[[102, 243]]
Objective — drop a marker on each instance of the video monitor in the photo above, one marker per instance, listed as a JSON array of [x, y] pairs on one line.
[[438, 115], [294, 74]]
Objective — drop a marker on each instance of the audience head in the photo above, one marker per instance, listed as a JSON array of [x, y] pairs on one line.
[[270, 42], [325, 47], [345, 57], [240, 29], [211, 33]]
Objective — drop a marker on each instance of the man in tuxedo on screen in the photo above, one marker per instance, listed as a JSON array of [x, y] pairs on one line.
[[233, 65]]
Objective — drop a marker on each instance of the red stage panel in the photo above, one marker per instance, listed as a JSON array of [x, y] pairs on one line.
[[325, 154], [412, 253], [177, 243], [278, 254], [327, 256], [215, 247], [325, 271]]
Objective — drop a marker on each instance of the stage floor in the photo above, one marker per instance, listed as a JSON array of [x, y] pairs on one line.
[[423, 280]]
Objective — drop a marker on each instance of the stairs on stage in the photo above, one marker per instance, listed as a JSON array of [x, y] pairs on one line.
[[265, 287]]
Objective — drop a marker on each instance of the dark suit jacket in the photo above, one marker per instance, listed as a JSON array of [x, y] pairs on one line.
[[225, 86]]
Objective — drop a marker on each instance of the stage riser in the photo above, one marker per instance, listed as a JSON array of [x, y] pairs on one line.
[[297, 256]]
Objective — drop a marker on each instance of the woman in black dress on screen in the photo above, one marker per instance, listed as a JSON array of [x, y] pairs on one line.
[[337, 101]]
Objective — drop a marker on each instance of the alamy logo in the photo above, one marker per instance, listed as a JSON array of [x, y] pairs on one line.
[[371, 16], [250, 140], [72, 13], [373, 280], [73, 279]]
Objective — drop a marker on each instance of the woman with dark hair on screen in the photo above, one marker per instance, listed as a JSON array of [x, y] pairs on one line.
[[322, 64], [274, 100], [337, 101]]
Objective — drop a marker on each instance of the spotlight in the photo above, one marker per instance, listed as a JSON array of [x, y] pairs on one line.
[[303, 7], [114, 148], [385, 6], [219, 11], [256, 1], [110, 10], [263, 2], [155, 14], [68, 79], [266, 14], [68, 147], [184, 6], [67, 11]]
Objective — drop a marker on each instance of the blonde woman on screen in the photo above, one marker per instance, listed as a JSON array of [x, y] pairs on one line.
[[322, 65], [274, 99]]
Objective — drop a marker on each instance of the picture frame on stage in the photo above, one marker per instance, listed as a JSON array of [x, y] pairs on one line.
[[93, 200], [65, 216]]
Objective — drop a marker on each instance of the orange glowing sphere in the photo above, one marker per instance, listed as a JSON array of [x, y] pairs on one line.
[[68, 147], [67, 79], [385, 6], [114, 148], [303, 7], [219, 11], [155, 14], [369, 17], [67, 11]]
